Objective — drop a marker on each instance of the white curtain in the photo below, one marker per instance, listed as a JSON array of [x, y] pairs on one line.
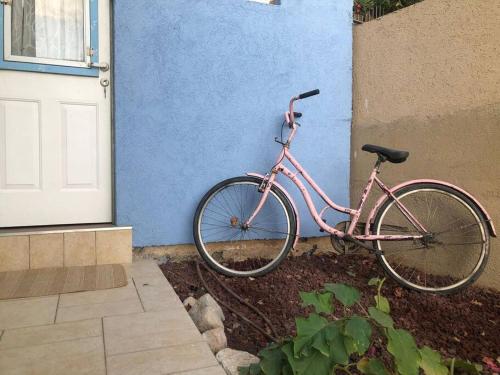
[[59, 29], [23, 28]]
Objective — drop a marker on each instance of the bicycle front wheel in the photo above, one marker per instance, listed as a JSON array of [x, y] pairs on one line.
[[455, 249], [230, 247]]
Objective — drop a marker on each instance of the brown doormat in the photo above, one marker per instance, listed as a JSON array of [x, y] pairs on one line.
[[48, 281]]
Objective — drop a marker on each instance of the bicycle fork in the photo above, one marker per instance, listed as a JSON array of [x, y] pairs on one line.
[[264, 188]]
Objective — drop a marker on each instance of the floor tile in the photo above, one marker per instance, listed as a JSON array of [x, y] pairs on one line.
[[27, 312], [30, 336], [98, 296], [156, 294], [148, 330], [162, 361], [98, 310], [146, 271], [75, 357]]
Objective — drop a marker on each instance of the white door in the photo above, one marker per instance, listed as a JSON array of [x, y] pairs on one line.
[[55, 119]]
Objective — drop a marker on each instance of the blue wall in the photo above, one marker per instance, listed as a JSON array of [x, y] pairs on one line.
[[200, 88]]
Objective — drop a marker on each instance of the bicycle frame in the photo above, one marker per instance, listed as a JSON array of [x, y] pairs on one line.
[[389, 193], [355, 214]]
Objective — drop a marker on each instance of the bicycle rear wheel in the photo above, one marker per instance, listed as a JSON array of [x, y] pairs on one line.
[[227, 245], [453, 254]]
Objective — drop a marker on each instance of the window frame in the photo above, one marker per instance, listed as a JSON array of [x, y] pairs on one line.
[[47, 65]]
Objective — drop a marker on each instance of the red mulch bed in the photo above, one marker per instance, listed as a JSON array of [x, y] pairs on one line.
[[466, 325]]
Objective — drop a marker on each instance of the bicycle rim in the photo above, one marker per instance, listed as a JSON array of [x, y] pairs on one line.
[[448, 260], [237, 251]]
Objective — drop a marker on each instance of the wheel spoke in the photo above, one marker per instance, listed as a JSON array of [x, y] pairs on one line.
[[233, 249], [452, 251]]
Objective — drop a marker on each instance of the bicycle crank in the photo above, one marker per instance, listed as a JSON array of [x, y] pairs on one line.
[[342, 247]]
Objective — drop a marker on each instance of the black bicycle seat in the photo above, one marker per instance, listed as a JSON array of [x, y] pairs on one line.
[[394, 156]]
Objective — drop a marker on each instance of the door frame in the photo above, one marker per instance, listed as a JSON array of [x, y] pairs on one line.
[[112, 109], [77, 71]]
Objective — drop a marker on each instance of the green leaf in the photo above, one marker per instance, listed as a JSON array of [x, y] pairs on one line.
[[335, 339], [401, 345], [347, 295], [431, 362], [320, 344], [315, 363], [382, 304], [373, 281], [372, 366], [306, 329], [468, 367], [381, 317], [358, 332], [288, 350], [253, 369], [272, 360], [322, 302]]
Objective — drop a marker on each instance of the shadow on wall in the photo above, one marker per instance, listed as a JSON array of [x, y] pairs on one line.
[[436, 96]]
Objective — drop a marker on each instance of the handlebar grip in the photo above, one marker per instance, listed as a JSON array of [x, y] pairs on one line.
[[308, 94]]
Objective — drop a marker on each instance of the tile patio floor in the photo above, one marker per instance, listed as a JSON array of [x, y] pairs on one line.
[[138, 329]]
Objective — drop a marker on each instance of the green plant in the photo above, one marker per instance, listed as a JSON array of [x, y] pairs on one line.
[[326, 344], [363, 6]]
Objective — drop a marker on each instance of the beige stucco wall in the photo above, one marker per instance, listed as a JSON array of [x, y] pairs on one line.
[[427, 80]]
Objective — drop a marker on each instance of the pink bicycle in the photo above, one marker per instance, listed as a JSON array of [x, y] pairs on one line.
[[428, 235]]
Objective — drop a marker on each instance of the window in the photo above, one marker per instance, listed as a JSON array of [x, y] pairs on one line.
[[53, 32], [271, 2]]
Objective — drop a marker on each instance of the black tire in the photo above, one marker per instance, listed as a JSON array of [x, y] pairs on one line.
[[482, 230], [290, 213]]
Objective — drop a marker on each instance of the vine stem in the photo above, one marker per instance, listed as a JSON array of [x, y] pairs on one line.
[[379, 288], [363, 309], [237, 313], [452, 366], [242, 301], [182, 279]]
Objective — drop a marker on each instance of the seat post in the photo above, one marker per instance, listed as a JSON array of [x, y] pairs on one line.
[[379, 161]]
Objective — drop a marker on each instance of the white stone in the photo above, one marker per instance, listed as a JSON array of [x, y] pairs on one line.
[[207, 300], [232, 359], [205, 318], [189, 302], [216, 339]]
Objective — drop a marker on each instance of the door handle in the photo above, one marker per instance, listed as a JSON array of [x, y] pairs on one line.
[[104, 66]]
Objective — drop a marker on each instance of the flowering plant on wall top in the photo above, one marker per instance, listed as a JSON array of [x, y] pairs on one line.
[[387, 6]]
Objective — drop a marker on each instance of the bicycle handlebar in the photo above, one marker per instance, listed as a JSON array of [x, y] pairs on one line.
[[308, 94], [291, 113]]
